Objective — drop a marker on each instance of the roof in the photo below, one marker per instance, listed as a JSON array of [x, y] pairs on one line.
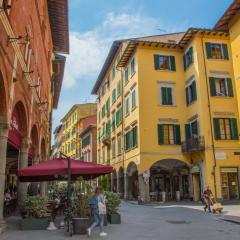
[[58, 16], [57, 129], [223, 22], [58, 68], [75, 106], [86, 130]]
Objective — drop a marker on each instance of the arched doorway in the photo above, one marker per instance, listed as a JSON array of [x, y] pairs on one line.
[[170, 180], [121, 181], [132, 173]]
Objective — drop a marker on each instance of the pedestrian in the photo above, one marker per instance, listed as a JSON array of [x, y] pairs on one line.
[[98, 207], [207, 195]]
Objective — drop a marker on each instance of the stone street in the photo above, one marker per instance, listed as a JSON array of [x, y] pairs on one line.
[[164, 222]]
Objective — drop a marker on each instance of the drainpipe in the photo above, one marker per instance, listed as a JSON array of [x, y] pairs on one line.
[[210, 116]]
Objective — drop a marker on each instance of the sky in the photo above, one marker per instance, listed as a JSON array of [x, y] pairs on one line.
[[95, 24]]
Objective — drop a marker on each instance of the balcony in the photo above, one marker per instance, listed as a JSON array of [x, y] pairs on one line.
[[193, 144], [106, 139]]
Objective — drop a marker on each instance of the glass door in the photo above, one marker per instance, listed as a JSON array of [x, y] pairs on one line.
[[233, 185]]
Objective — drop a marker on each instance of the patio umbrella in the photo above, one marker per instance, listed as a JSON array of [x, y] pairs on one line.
[[57, 169]]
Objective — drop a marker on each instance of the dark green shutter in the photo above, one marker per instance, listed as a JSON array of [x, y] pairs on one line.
[[191, 54], [173, 64], [208, 50], [134, 136], [234, 128], [156, 62], [120, 115], [225, 51], [216, 124], [230, 88], [184, 62], [160, 134], [194, 88], [187, 97], [164, 95], [169, 96], [177, 135], [187, 131], [212, 86]]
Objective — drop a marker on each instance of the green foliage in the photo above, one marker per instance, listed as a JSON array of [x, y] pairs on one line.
[[113, 202], [82, 186], [35, 206], [105, 183], [81, 207], [58, 189]]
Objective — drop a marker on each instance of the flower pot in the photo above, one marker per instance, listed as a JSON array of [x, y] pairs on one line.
[[34, 223], [114, 218], [80, 225]]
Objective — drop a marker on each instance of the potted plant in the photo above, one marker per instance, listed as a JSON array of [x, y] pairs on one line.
[[35, 213], [113, 202]]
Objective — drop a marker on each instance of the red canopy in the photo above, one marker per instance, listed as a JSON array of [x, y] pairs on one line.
[[57, 169]]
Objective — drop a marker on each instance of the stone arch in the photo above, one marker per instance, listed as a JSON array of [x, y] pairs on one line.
[[3, 100], [170, 179], [132, 181], [121, 181]]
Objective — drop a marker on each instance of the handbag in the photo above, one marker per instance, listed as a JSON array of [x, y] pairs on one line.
[[102, 208]]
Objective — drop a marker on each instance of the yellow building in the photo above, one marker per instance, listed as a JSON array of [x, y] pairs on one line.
[[70, 122], [179, 130]]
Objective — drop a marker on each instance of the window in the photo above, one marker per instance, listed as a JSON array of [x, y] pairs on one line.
[[119, 144], [131, 139], [119, 116], [108, 107], [118, 88], [188, 58], [113, 121], [225, 128], [113, 95], [166, 96], [126, 75], [191, 129], [113, 72], [7, 6], [169, 134], [86, 141], [99, 116], [162, 62], [113, 148], [133, 70], [191, 93], [103, 111], [99, 135], [216, 51], [221, 87], [133, 93], [127, 105]]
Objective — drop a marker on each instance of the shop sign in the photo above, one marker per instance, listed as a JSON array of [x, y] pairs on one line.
[[220, 155], [229, 170], [195, 169]]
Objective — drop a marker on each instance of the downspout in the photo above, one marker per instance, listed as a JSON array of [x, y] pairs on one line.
[[210, 116]]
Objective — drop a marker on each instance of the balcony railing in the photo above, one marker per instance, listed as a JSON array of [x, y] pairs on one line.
[[106, 139], [193, 144]]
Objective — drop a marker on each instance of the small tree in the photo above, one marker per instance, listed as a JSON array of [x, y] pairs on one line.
[[113, 202], [105, 183]]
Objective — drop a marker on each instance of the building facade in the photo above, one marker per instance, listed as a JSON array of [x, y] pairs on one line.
[[31, 72], [58, 138], [71, 143], [88, 136], [168, 116]]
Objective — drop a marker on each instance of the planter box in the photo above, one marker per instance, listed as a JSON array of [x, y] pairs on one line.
[[34, 224], [105, 222], [80, 225], [114, 218]]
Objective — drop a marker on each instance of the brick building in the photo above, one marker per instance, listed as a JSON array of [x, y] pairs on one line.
[[32, 34]]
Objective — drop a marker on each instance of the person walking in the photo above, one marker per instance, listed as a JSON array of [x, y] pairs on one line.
[[207, 195], [98, 206]]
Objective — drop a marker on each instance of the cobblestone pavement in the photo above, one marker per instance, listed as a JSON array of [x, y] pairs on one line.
[[163, 222]]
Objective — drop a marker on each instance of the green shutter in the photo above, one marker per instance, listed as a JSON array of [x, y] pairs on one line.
[[187, 131], [177, 135], [160, 134], [169, 96], [187, 97], [216, 124], [156, 62], [134, 137], [194, 88], [173, 64], [191, 54], [225, 51], [164, 95], [234, 128], [229, 86], [209, 50], [184, 62], [212, 86]]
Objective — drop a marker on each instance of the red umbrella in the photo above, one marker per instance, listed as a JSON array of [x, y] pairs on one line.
[[57, 169]]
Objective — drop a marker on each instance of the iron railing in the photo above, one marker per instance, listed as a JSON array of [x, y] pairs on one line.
[[193, 144]]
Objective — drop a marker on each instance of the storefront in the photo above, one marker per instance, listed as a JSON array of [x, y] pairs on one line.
[[230, 183]]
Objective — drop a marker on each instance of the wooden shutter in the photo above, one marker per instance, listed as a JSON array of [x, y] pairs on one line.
[[191, 54], [160, 134], [234, 128], [194, 88], [169, 96], [172, 63], [177, 135], [117, 117], [187, 131], [216, 124], [187, 97], [208, 50], [212, 86], [184, 62], [156, 62], [164, 95], [225, 51], [229, 86], [120, 115], [134, 137]]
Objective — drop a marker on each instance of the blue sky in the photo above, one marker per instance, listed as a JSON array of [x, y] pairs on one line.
[[94, 24]]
